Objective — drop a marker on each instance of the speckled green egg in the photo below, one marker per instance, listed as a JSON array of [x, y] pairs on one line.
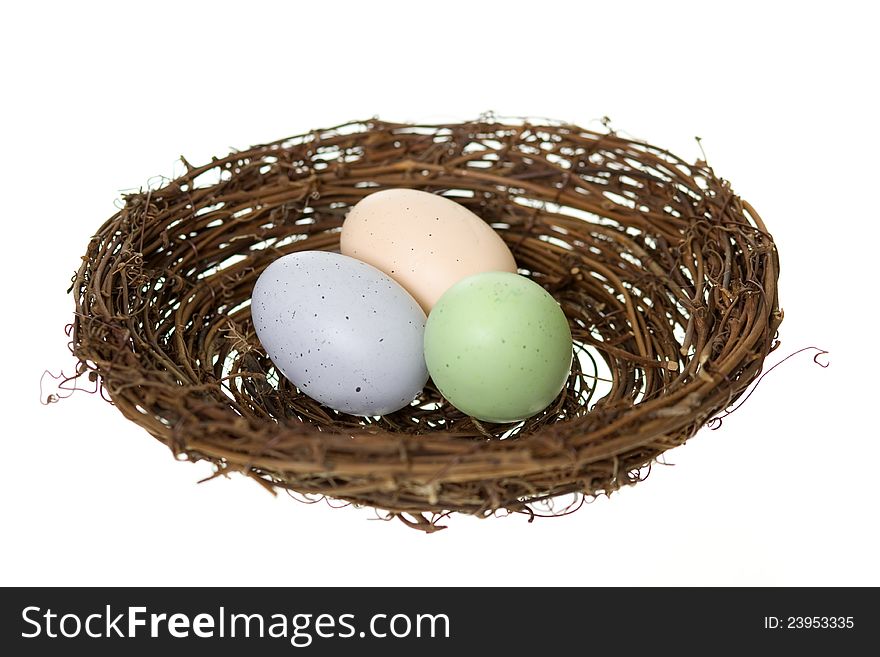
[[498, 347]]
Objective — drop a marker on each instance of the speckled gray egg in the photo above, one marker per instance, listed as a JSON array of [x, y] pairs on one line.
[[342, 331]]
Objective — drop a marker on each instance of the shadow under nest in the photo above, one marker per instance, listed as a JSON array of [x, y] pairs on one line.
[[668, 279]]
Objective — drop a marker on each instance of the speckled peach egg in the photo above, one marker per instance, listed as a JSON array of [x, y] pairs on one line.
[[425, 242]]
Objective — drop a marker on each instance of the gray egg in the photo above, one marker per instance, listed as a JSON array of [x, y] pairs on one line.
[[343, 332]]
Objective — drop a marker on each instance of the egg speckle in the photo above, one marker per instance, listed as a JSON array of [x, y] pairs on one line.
[[332, 342]]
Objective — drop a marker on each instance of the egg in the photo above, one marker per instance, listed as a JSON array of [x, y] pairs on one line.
[[343, 332], [425, 242], [498, 347]]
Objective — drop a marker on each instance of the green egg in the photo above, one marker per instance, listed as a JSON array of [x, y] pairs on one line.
[[498, 347]]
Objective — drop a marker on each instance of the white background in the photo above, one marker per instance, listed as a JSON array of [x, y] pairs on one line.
[[97, 99]]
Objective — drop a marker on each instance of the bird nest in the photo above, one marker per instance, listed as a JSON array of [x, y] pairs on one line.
[[668, 280]]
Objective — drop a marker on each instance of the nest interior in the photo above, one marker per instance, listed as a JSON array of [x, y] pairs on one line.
[[668, 279]]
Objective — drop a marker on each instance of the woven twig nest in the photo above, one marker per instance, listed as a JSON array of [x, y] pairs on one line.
[[668, 279]]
